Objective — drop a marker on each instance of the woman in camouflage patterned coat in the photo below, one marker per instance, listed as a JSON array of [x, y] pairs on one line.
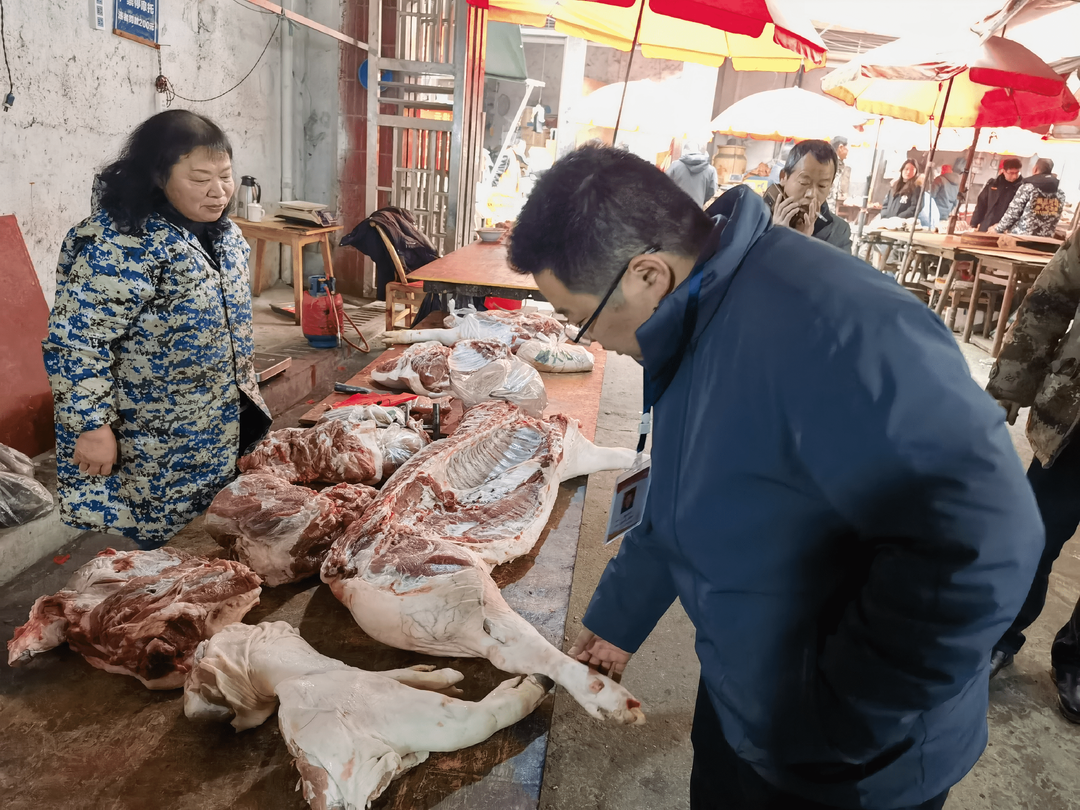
[[150, 342]]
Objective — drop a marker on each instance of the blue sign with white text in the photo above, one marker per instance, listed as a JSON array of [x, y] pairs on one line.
[[138, 18]]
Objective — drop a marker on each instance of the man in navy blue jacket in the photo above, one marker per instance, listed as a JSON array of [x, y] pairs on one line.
[[834, 501]]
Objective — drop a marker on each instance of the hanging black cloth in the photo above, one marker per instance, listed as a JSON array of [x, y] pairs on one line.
[[411, 244]]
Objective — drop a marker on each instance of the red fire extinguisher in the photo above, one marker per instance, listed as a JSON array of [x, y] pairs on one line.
[[322, 315]]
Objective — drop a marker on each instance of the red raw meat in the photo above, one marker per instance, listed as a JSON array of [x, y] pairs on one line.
[[139, 613], [282, 531]]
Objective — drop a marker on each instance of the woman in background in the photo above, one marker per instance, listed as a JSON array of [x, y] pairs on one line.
[[903, 196], [150, 342]]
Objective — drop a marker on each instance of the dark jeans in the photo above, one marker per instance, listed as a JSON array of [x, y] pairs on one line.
[[1057, 491], [721, 781]]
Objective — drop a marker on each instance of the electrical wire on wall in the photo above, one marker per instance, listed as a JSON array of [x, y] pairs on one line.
[[9, 99], [164, 86]]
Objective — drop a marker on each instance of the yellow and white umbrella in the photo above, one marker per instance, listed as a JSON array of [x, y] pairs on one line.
[[788, 113]]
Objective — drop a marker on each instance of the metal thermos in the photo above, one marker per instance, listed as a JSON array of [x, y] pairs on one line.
[[250, 192]]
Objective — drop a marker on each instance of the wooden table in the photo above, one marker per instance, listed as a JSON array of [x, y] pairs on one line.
[[1011, 269], [295, 236], [477, 270], [65, 718]]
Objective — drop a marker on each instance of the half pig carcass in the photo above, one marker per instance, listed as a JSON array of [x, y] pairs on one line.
[[351, 731], [509, 328], [279, 530], [415, 572], [335, 452], [139, 613], [422, 369]]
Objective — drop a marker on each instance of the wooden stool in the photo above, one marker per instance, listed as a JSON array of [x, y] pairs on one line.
[[295, 236], [409, 295]]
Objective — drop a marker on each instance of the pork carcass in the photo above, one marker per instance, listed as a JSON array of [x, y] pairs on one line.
[[351, 731], [279, 530], [422, 369], [335, 452], [139, 613], [415, 572], [509, 328]]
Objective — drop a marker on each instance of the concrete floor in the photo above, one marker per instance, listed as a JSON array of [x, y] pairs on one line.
[[1031, 762]]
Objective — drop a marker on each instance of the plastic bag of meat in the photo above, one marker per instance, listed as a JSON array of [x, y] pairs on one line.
[[474, 378], [378, 414], [421, 369], [399, 444], [280, 531], [139, 613], [11, 460], [22, 499], [335, 451], [555, 358]]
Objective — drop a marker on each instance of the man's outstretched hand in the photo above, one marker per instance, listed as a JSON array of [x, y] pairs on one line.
[[604, 657]]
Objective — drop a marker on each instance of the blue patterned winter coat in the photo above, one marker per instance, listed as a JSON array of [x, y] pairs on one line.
[[148, 336]]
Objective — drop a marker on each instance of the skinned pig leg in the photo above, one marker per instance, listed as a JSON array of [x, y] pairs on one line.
[[352, 735], [447, 337], [237, 670], [425, 676], [462, 612], [582, 457]]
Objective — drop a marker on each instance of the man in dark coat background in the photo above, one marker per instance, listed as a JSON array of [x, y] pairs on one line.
[[996, 196], [835, 502]]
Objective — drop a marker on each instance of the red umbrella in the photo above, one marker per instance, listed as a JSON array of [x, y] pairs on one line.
[[991, 83], [745, 17]]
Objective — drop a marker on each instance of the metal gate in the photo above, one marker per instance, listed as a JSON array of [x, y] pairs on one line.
[[430, 117]]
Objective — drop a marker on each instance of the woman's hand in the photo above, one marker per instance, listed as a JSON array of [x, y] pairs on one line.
[[95, 451]]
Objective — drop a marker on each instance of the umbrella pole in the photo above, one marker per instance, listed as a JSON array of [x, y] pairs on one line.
[[863, 211], [961, 193], [928, 174], [626, 81]]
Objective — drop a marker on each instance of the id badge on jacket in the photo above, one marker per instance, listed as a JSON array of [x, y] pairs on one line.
[[628, 500]]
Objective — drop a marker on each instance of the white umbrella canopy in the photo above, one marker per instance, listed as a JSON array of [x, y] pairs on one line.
[[903, 135], [788, 113], [653, 107]]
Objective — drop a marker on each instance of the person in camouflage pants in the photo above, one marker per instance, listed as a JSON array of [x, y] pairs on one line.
[[1039, 366]]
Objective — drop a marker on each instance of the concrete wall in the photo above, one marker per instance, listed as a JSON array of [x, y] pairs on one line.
[[80, 91]]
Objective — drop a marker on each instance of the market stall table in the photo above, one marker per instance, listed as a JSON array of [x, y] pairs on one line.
[[478, 270], [88, 739], [1011, 269], [295, 236]]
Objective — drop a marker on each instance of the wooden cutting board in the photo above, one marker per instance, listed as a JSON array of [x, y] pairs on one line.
[[26, 408], [1039, 244]]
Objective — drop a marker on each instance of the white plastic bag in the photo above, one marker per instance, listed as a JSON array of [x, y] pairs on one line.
[[22, 499], [399, 444], [507, 379], [11, 460], [380, 415], [556, 358]]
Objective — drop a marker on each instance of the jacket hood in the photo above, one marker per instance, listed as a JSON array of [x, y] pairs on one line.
[[1046, 183], [741, 217], [695, 161], [951, 179]]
